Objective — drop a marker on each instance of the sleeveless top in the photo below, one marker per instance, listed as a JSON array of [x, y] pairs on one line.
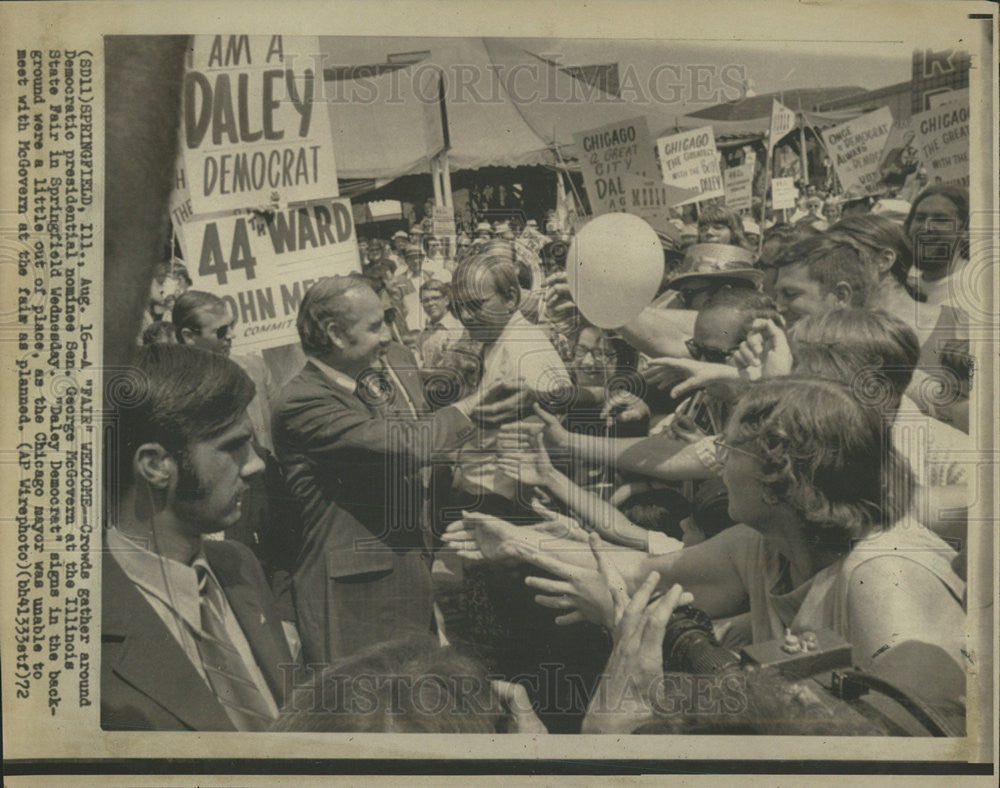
[[822, 601]]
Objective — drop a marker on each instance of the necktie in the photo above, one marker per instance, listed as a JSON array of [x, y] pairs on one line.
[[226, 672]]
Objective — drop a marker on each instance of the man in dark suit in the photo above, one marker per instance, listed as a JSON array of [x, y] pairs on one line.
[[360, 448], [191, 637]]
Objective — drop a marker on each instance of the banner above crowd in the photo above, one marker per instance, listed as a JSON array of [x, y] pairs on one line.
[[249, 135], [690, 160], [262, 264], [856, 149]]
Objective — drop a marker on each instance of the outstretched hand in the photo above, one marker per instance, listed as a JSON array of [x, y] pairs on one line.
[[634, 674], [479, 537], [663, 371], [502, 402], [584, 594]]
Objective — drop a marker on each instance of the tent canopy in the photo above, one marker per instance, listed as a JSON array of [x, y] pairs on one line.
[[499, 105]]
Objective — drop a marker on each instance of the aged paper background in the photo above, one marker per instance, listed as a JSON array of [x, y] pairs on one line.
[[32, 732]]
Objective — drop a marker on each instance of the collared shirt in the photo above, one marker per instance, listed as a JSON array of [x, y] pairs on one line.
[[171, 589], [437, 337], [522, 357]]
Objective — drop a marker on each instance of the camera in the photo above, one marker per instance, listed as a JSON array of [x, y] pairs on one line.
[[811, 676]]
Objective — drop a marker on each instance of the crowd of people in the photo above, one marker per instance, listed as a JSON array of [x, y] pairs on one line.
[[778, 444]]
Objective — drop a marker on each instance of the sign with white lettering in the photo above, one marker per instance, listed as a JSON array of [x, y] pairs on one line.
[[943, 140], [261, 265], [250, 135], [856, 149], [690, 160]]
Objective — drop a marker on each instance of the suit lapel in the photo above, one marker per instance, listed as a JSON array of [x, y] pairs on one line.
[[150, 658], [269, 651]]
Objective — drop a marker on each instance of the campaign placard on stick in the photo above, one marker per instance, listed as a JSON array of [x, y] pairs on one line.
[[783, 193], [856, 149], [943, 140], [738, 182], [609, 155], [262, 264], [900, 158], [690, 160], [251, 134]]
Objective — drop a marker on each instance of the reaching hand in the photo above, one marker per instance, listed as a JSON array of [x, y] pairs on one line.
[[529, 464], [584, 593], [556, 435], [699, 374], [479, 537], [765, 352], [624, 406], [502, 402], [557, 525], [558, 298], [634, 673]]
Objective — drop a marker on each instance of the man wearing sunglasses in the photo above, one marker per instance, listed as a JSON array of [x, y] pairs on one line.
[[202, 320]]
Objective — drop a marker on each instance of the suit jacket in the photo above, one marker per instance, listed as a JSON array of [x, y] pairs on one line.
[[354, 467], [148, 682]]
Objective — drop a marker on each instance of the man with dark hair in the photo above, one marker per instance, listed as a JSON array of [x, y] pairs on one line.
[[202, 320], [442, 328], [821, 273], [191, 637], [354, 432]]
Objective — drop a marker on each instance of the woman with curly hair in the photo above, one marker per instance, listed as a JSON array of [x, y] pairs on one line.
[[826, 540]]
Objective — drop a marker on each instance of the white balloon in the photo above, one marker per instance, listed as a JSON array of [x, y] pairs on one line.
[[614, 268]]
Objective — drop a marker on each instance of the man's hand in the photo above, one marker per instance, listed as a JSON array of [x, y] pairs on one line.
[[502, 402], [699, 373], [765, 352]]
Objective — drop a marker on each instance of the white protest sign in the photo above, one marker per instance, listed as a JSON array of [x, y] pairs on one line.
[[783, 193], [608, 156], [782, 122], [261, 266], [738, 182], [250, 135], [943, 140], [856, 149], [690, 160], [899, 159]]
